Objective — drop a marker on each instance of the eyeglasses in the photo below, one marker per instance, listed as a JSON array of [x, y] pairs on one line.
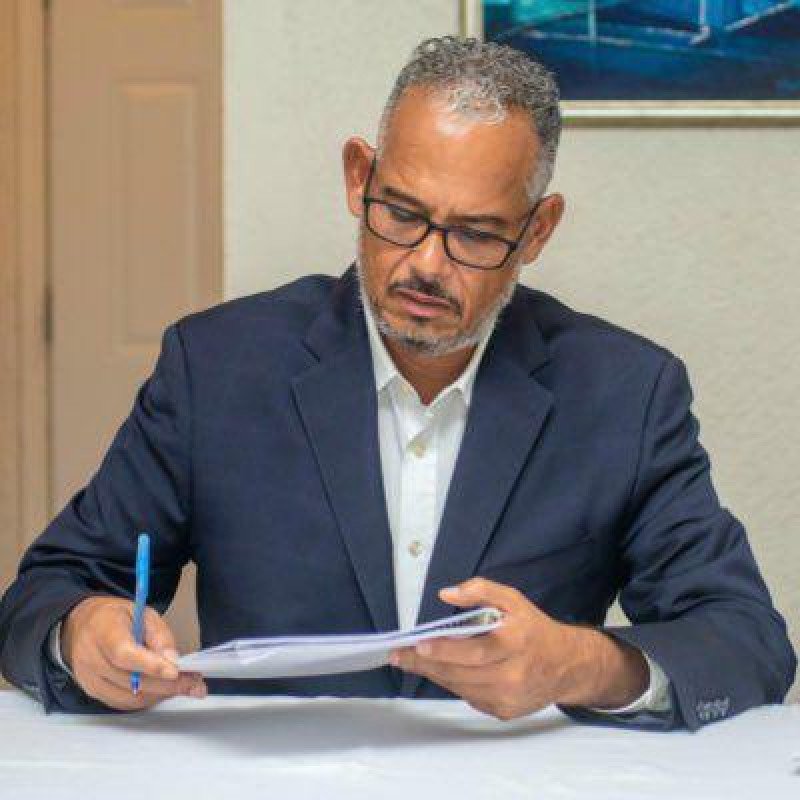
[[406, 228]]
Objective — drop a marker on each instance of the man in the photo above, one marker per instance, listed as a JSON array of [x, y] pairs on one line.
[[419, 436]]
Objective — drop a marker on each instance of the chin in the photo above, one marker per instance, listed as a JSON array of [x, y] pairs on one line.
[[422, 327]]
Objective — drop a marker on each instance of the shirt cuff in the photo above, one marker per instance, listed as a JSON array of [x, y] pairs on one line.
[[656, 697], [54, 648]]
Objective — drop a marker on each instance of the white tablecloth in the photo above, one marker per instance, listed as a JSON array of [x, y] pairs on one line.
[[232, 747]]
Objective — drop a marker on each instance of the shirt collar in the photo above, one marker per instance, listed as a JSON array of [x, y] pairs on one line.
[[386, 371]]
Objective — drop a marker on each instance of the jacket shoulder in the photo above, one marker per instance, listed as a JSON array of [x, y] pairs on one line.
[[284, 312], [574, 335]]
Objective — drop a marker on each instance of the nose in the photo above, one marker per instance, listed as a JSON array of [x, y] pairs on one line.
[[430, 256]]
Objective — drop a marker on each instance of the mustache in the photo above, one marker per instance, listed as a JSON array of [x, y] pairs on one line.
[[431, 288]]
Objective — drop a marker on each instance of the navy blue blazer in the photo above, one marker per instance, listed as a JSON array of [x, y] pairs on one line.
[[253, 451]]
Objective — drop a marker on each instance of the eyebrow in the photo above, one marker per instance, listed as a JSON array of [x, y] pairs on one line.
[[475, 219]]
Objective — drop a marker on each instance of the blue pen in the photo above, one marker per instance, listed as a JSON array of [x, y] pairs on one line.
[[140, 600]]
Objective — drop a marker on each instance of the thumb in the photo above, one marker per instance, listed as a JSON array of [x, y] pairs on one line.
[[481, 592], [158, 636]]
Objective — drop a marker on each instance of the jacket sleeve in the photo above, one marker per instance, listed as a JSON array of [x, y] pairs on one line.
[[690, 585], [143, 484]]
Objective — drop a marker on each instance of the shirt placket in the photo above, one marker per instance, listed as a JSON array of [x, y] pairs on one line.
[[417, 508]]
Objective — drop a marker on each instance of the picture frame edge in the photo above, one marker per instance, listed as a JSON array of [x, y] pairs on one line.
[[643, 113]]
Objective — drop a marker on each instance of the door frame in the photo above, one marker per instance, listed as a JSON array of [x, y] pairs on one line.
[[24, 390], [26, 382]]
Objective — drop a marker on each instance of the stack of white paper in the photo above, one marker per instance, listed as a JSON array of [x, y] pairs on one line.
[[292, 656]]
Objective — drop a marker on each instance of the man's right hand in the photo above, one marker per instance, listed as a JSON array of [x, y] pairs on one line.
[[97, 645]]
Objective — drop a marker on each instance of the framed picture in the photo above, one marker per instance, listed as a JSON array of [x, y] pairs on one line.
[[661, 60]]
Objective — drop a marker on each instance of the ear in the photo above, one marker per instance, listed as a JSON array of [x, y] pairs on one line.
[[544, 222], [357, 157]]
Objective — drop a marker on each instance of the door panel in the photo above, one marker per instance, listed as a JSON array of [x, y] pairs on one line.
[[136, 214]]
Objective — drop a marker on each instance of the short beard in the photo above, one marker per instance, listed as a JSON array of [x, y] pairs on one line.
[[428, 345]]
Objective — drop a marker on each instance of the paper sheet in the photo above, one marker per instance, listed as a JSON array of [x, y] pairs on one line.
[[293, 656]]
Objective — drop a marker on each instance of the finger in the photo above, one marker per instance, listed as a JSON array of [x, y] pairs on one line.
[[100, 688], [447, 675], [480, 704], [487, 704], [120, 650], [123, 699], [189, 683], [185, 684], [478, 686], [98, 666], [482, 592], [475, 651], [158, 636]]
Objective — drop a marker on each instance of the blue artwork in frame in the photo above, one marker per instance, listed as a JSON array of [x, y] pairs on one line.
[[731, 53]]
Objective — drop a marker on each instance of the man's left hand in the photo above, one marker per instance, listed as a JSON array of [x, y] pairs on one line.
[[529, 661]]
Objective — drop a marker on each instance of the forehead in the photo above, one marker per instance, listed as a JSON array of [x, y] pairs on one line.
[[448, 157]]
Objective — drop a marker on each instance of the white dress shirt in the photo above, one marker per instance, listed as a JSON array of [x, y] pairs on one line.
[[419, 445]]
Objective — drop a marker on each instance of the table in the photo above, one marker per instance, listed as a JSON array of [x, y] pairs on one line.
[[274, 747]]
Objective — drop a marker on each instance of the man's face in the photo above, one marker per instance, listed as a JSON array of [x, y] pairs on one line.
[[469, 174]]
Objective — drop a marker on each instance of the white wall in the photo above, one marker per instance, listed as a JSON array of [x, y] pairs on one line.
[[689, 236], [302, 76]]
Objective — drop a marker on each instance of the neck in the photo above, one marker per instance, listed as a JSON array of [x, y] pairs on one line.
[[428, 374]]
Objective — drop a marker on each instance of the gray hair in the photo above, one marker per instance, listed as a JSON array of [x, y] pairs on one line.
[[484, 80]]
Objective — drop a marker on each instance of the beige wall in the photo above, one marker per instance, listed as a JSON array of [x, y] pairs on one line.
[[689, 236]]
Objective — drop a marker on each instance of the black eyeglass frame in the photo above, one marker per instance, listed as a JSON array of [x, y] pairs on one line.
[[511, 244]]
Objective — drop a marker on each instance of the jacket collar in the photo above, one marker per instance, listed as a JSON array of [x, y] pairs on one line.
[[341, 322], [336, 399]]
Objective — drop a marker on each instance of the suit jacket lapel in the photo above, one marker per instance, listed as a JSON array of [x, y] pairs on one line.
[[508, 410], [337, 402]]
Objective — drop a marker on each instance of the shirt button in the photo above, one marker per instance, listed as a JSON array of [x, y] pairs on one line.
[[416, 548], [418, 448]]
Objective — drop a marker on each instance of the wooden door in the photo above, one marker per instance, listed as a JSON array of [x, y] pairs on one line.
[[135, 211]]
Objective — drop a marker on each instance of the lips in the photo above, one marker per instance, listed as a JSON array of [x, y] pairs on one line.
[[422, 305]]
